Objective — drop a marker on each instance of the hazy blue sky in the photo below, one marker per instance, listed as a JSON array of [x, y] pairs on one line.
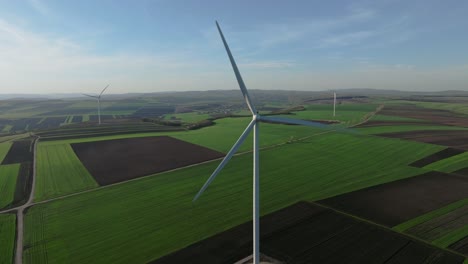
[[163, 45]]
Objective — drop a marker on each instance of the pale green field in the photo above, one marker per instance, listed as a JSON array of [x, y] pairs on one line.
[[4, 148], [8, 177], [60, 172]]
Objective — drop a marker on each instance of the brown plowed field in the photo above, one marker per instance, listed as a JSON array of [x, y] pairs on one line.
[[396, 202], [461, 246], [19, 152], [443, 154], [112, 161], [373, 123], [307, 233], [434, 116], [463, 171], [450, 138]]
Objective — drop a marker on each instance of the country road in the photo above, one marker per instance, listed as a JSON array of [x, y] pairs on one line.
[[20, 212]]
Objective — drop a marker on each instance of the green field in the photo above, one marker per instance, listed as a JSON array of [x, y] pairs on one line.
[[8, 177], [226, 131], [450, 164], [4, 148], [60, 172], [150, 217], [347, 113], [192, 117], [379, 117], [7, 237], [404, 128]]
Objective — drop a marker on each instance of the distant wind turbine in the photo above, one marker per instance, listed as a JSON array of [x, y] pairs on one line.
[[254, 124], [334, 103], [98, 97]]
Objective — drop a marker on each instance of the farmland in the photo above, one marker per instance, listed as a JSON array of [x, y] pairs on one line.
[[307, 233], [225, 204], [7, 237], [4, 148], [349, 182], [141, 156], [60, 172], [399, 201], [8, 177]]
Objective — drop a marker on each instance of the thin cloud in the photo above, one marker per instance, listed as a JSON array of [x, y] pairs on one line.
[[275, 34], [30, 59], [40, 7]]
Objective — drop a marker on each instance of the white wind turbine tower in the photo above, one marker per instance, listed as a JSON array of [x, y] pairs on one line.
[[254, 124], [334, 103], [98, 97]]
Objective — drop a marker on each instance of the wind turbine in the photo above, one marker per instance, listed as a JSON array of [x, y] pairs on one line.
[[334, 102], [253, 125], [98, 97]]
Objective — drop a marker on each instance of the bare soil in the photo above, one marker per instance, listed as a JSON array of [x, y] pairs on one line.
[[20, 151], [434, 116], [443, 154], [450, 138], [396, 202], [374, 123], [112, 161], [461, 246], [307, 233]]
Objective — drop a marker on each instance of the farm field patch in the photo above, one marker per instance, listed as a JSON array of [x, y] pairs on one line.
[[438, 226], [60, 172], [112, 161], [226, 131], [8, 178], [148, 218], [450, 138], [451, 164], [20, 151], [7, 237], [435, 116], [4, 148], [307, 233], [191, 117], [376, 130], [393, 203], [374, 123], [438, 156]]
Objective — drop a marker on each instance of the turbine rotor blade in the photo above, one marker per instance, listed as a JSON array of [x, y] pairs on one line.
[[237, 73], [226, 159], [103, 90], [93, 96], [284, 120]]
